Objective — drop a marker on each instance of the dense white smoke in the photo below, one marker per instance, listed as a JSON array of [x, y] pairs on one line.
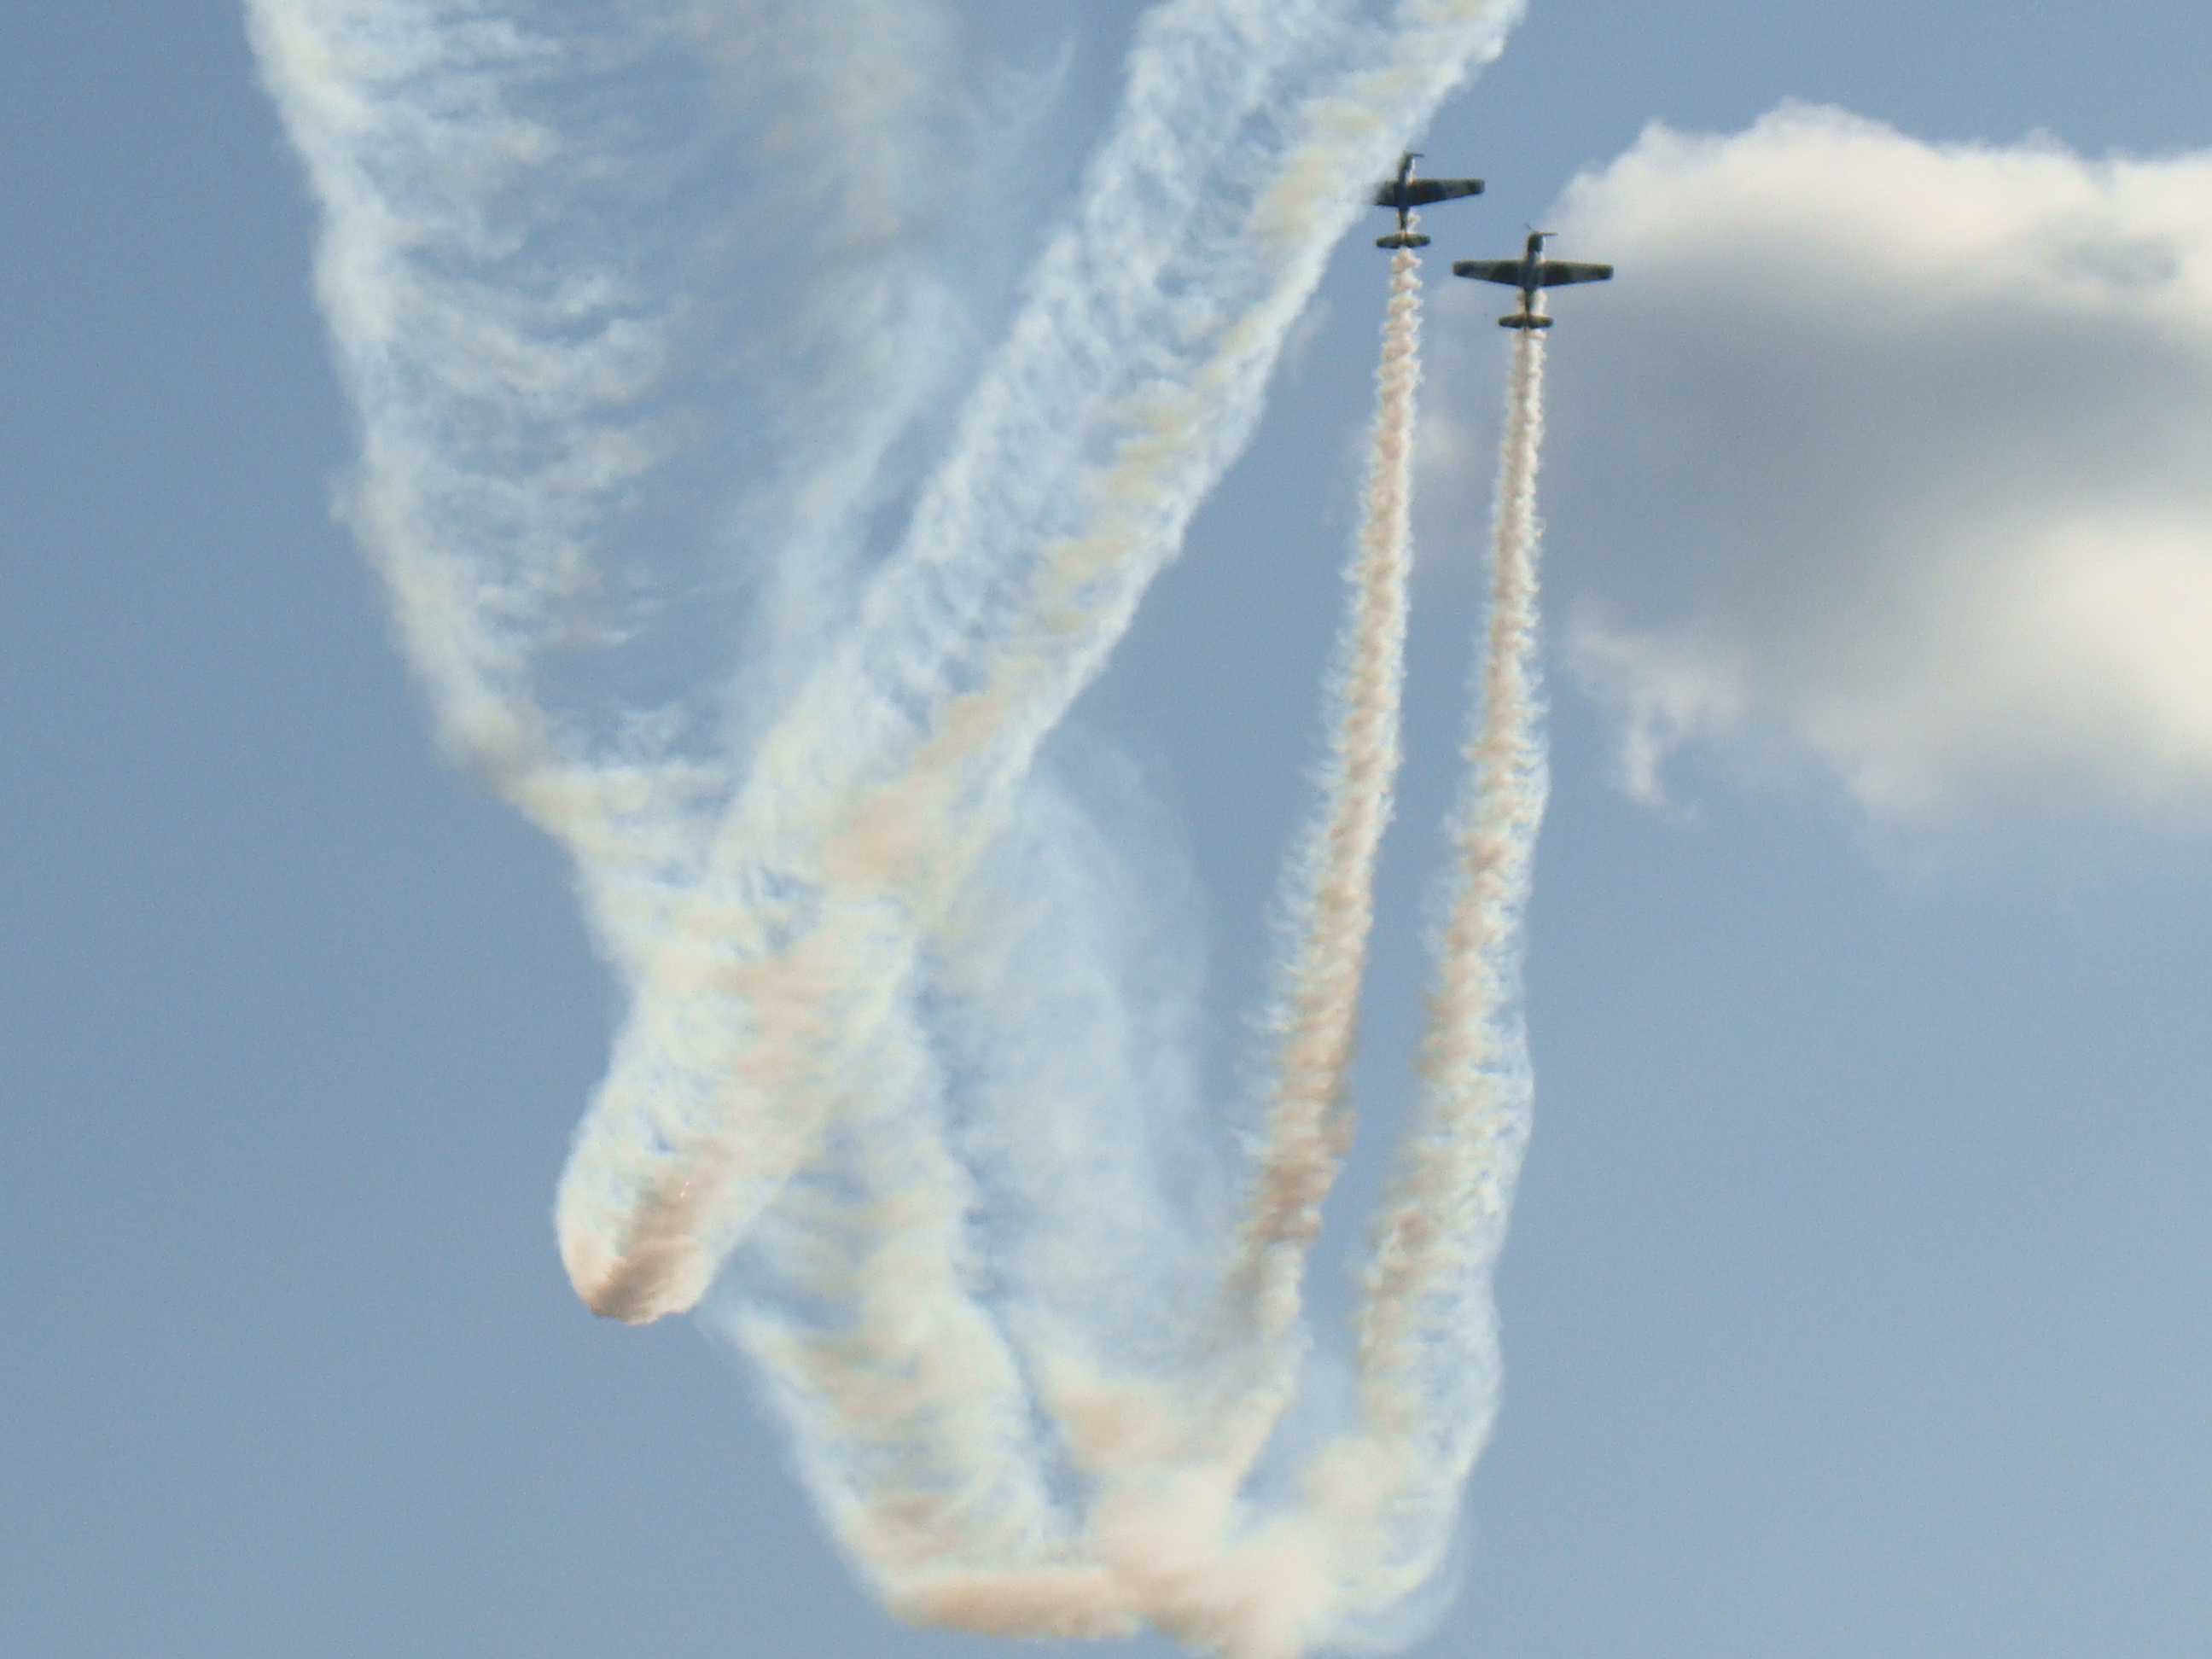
[[1428, 1360], [876, 1029], [1315, 1023]]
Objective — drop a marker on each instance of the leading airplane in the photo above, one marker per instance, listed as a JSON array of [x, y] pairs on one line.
[[1406, 192], [1528, 273]]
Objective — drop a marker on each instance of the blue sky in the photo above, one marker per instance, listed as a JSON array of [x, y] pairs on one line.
[[1855, 1302]]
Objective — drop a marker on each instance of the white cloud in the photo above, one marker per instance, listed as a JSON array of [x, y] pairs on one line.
[[1896, 458]]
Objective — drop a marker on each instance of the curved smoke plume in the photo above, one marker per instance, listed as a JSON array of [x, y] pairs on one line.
[[801, 869]]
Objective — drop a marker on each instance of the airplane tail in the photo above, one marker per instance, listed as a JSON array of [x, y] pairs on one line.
[[1402, 239], [1524, 319]]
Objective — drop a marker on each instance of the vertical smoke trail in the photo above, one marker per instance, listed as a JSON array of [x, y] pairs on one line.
[[1427, 1326], [1177, 1545], [1308, 1125]]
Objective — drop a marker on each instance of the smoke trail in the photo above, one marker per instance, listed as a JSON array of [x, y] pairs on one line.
[[1133, 377], [1174, 1542], [806, 942], [1308, 1126], [1087, 586], [545, 361], [1427, 1329], [790, 888], [1375, 1516]]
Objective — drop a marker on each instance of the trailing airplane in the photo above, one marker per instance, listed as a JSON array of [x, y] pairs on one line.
[[1531, 271], [1406, 192]]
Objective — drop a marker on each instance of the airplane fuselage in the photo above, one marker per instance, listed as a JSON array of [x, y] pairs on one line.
[[1532, 279]]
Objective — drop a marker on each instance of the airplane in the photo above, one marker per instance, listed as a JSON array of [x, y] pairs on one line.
[[1531, 271], [1406, 192]]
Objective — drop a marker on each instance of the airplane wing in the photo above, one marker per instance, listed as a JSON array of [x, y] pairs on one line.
[[1555, 273], [1507, 271], [1421, 192]]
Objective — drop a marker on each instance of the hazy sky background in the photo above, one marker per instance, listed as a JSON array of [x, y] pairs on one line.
[[1856, 1301]]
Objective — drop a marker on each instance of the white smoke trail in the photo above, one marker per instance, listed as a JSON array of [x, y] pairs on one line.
[[543, 366], [1172, 1541], [1427, 1329], [1374, 1517], [787, 887], [1132, 378], [1087, 586], [891, 785], [1309, 1124], [1170, 1538]]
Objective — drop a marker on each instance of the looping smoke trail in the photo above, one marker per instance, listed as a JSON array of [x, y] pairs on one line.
[[790, 896], [1309, 1124]]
